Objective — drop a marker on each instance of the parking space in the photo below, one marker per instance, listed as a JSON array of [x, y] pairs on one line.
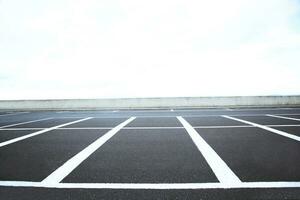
[[45, 123], [145, 156], [10, 134], [35, 158], [255, 154], [155, 122], [98, 122], [164, 151]]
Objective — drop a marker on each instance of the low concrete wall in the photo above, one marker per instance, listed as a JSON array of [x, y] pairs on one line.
[[149, 103]]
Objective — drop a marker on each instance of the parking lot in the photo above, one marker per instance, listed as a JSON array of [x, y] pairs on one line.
[[151, 154]]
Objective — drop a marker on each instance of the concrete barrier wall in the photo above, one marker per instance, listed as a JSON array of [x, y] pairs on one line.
[[138, 103]]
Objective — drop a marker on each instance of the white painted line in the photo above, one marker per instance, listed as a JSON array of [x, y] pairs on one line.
[[170, 116], [130, 128], [13, 114], [115, 111], [39, 132], [289, 114], [283, 125], [64, 170], [224, 174], [150, 128], [10, 125], [152, 186], [294, 137], [87, 128], [63, 111], [275, 184], [72, 117], [206, 127], [160, 127], [263, 114], [147, 110], [20, 129], [290, 118], [234, 109], [74, 128], [172, 110]]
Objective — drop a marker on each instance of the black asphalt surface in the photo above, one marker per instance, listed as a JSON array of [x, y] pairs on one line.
[[155, 122], [145, 156], [100, 194], [154, 148]]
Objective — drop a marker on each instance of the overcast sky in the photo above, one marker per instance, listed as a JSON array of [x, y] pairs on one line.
[[135, 48]]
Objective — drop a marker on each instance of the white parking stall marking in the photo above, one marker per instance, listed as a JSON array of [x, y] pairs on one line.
[[282, 133], [153, 186], [64, 170], [289, 114], [27, 122], [286, 125], [224, 174], [213, 127], [20, 129], [228, 180], [150, 127], [13, 114], [40, 132], [280, 117]]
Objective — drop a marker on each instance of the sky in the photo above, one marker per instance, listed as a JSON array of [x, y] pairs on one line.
[[160, 48]]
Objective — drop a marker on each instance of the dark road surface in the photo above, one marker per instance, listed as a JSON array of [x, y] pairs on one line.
[[52, 155]]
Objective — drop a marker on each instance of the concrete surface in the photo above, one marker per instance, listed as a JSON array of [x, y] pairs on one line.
[[150, 103]]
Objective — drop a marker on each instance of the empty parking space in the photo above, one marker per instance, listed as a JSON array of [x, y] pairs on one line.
[[35, 158], [145, 156], [45, 123], [255, 154], [98, 122], [155, 122], [212, 121], [10, 134]]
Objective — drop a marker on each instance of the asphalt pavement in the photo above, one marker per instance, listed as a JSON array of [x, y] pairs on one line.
[[250, 153]]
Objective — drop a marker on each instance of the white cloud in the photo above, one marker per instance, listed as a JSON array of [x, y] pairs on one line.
[[92, 49]]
